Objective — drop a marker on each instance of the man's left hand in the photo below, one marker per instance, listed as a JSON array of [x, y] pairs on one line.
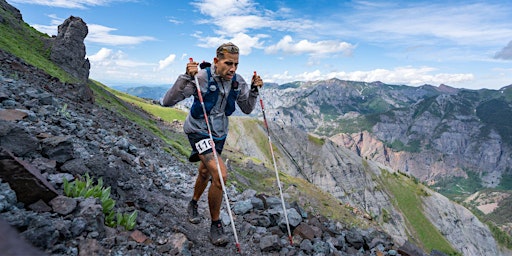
[[256, 82]]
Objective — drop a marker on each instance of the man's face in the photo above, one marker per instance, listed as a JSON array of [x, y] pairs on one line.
[[227, 66]]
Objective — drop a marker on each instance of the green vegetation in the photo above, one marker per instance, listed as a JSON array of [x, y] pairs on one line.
[[85, 188], [506, 180], [289, 85], [413, 146], [166, 114], [327, 109], [426, 105], [497, 115], [507, 93], [376, 105], [458, 188], [28, 44], [252, 127], [407, 198], [352, 125], [316, 140], [501, 236]]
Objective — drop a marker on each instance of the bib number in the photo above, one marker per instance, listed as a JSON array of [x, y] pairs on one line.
[[203, 145]]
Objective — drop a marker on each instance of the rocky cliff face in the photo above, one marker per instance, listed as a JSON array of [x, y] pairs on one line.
[[459, 226], [67, 49]]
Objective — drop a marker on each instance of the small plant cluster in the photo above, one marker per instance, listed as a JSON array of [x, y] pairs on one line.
[[85, 188]]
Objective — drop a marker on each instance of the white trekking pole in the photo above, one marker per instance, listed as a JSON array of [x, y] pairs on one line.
[[275, 167], [212, 144]]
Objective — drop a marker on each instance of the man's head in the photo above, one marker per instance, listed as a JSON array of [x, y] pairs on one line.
[[226, 61], [226, 48]]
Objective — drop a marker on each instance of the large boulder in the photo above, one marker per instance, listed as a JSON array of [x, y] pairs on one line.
[[68, 48]]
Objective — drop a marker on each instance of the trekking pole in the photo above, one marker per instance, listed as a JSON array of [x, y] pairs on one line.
[[275, 167], [212, 144]]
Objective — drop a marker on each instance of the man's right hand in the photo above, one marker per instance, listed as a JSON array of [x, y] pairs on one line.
[[191, 69]]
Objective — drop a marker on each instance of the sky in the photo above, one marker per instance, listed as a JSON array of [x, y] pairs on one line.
[[463, 44]]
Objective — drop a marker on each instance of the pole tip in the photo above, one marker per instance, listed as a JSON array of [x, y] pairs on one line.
[[291, 240], [238, 248]]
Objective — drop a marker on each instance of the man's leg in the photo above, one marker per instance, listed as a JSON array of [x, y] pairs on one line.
[[202, 179], [217, 235], [215, 190], [203, 176]]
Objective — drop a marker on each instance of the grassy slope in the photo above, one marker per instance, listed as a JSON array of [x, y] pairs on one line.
[[407, 195], [28, 44]]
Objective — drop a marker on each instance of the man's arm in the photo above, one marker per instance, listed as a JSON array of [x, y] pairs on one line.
[[248, 98], [183, 88]]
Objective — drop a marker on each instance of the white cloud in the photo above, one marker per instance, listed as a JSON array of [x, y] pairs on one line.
[[166, 62], [47, 29], [219, 8], [71, 4], [106, 58], [287, 45], [236, 24], [50, 29], [404, 75], [175, 21], [400, 75], [244, 42], [236, 19], [97, 33], [110, 66], [101, 34], [462, 23], [101, 55]]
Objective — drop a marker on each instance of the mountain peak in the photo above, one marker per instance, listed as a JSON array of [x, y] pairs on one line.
[[447, 89]]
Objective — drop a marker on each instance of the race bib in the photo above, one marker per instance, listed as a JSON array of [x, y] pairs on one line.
[[203, 145]]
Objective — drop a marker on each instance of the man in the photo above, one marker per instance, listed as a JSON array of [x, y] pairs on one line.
[[221, 88]]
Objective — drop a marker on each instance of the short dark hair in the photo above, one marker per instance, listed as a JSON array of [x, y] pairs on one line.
[[227, 48]]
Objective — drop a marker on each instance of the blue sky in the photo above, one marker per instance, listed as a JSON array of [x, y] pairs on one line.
[[464, 44]]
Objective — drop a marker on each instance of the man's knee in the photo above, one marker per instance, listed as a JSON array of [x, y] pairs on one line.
[[203, 172], [216, 180]]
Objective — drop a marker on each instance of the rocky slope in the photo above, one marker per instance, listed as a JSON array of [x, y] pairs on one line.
[[361, 184]]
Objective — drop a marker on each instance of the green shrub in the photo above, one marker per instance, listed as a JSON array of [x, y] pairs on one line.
[[85, 188]]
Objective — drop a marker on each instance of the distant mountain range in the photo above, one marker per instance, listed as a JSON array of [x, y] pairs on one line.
[[154, 92], [432, 132]]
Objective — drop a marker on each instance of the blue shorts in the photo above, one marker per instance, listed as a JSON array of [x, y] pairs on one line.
[[200, 144]]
